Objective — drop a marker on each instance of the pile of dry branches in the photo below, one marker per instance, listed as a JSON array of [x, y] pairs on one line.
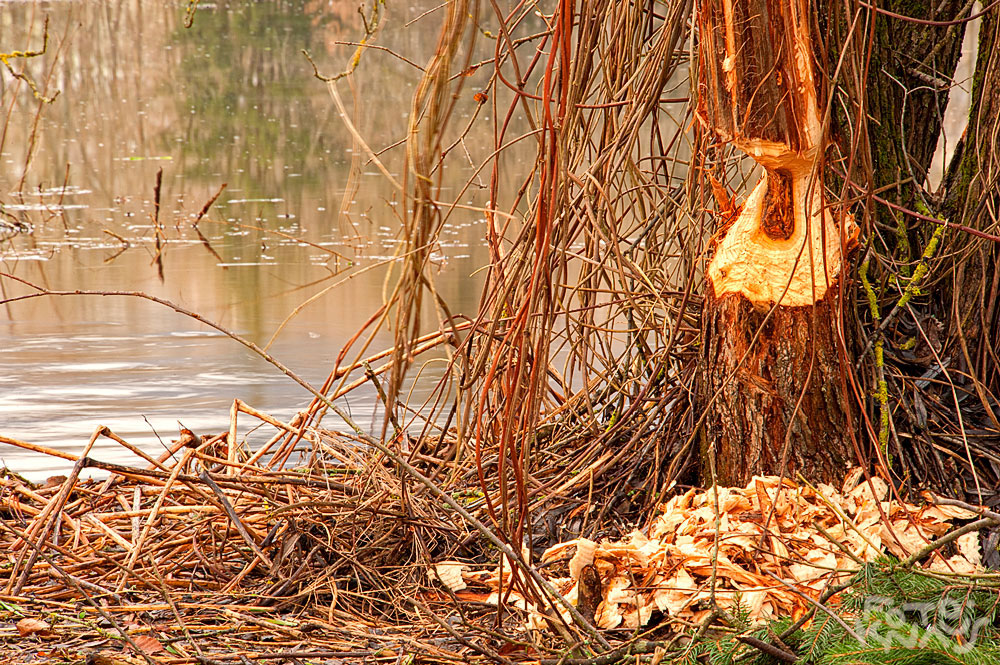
[[207, 555]]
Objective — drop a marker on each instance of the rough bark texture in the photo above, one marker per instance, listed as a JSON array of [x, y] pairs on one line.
[[973, 198], [758, 409], [901, 85], [771, 377], [764, 68], [906, 91]]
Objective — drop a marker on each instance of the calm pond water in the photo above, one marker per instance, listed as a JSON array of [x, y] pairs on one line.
[[231, 100]]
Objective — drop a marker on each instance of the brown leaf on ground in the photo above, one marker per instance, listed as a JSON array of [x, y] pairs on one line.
[[30, 626], [148, 644]]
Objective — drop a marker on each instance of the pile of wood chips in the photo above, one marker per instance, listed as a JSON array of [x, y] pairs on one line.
[[779, 545]]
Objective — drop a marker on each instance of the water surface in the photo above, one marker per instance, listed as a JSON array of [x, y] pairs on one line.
[[231, 100]]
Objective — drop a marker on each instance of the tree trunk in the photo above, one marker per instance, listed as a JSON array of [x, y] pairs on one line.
[[972, 198], [771, 381]]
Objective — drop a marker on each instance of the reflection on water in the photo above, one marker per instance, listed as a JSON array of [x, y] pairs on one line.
[[231, 100]]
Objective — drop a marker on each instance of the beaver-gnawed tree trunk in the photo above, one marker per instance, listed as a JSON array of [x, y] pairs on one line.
[[772, 379], [773, 383]]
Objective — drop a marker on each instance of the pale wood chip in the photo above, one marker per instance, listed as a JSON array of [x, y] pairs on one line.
[[608, 615], [584, 556], [968, 546], [449, 573]]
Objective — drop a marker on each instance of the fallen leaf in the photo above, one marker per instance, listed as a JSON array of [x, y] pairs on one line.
[[29, 626], [148, 644]]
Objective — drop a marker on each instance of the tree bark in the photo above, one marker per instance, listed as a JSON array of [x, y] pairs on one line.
[[972, 198], [771, 379]]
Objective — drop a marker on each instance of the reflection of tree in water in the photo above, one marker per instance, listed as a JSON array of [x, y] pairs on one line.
[[339, 18], [253, 113]]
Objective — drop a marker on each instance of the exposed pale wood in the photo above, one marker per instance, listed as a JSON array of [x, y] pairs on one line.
[[756, 261], [757, 87], [758, 91]]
